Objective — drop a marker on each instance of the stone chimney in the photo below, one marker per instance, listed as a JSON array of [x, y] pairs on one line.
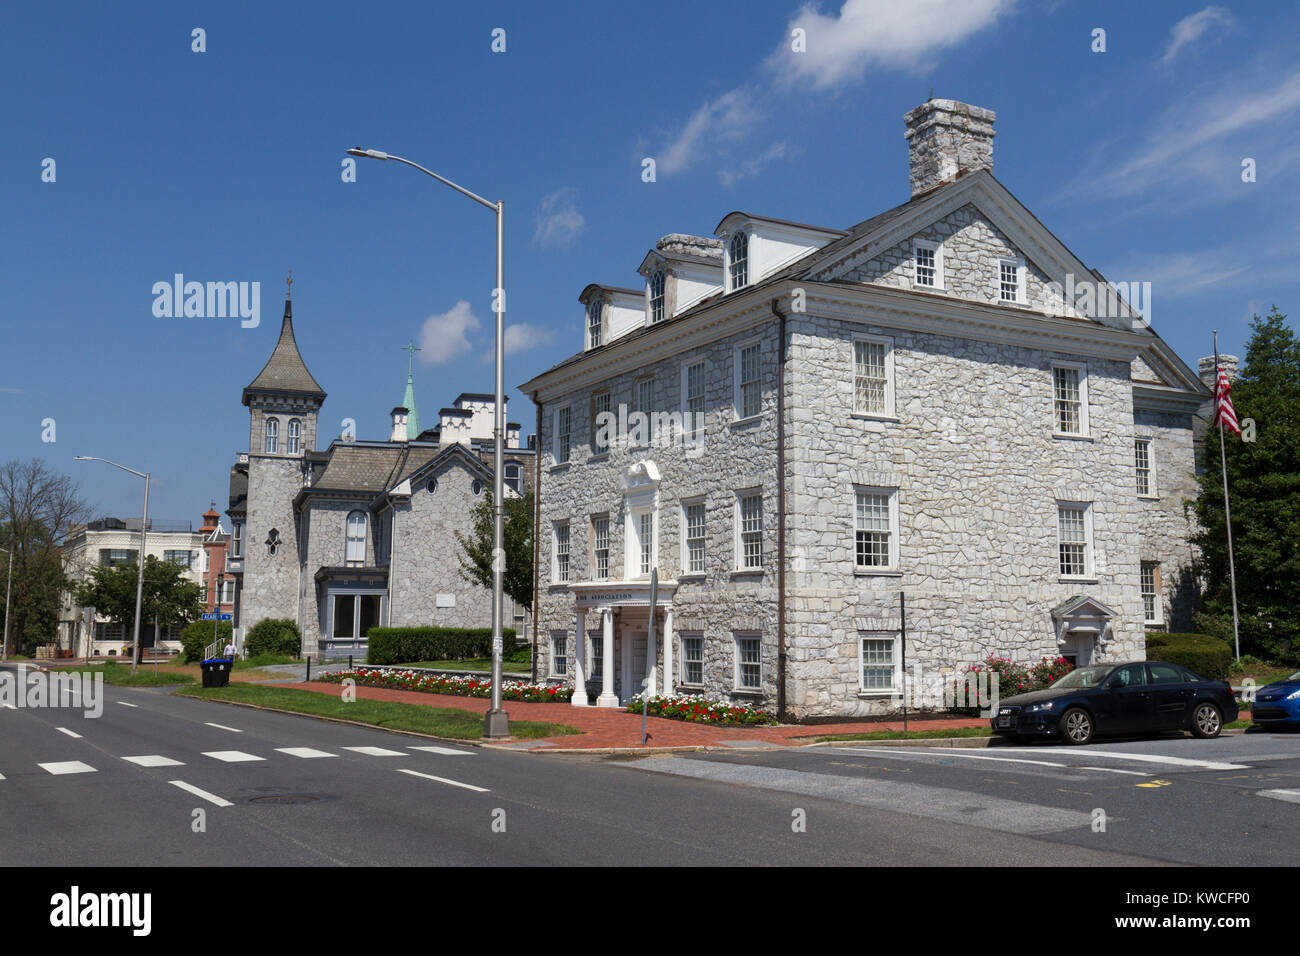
[[947, 139], [1205, 369], [399, 423]]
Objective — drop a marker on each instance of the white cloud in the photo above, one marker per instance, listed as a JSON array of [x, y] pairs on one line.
[[752, 166], [726, 119], [558, 221], [443, 338], [886, 33], [1191, 28], [519, 338]]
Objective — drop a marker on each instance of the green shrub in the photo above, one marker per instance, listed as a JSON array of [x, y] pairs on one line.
[[522, 654], [274, 635], [1201, 653], [198, 635], [402, 645]]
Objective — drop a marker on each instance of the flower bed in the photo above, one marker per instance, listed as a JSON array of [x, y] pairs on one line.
[[701, 710], [448, 684], [1015, 677]]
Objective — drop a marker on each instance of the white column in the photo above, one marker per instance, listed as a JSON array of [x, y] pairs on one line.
[[668, 651], [607, 696], [580, 663], [650, 662]]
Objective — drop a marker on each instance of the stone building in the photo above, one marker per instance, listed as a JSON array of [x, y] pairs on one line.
[[807, 426], [362, 533]]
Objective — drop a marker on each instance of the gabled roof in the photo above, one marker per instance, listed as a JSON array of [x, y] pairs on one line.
[[285, 370], [363, 468]]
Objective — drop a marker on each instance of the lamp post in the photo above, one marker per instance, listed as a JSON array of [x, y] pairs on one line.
[[139, 580], [4, 649], [496, 723]]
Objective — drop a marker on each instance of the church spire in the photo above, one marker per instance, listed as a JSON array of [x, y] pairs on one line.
[[285, 370], [408, 400]]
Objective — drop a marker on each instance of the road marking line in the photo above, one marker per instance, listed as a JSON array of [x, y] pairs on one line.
[[231, 756], [1290, 796], [1148, 758], [376, 751], [154, 760], [303, 752], [2, 776], [67, 766], [125, 704], [70, 733], [454, 783], [210, 797], [948, 753], [233, 730], [445, 750]]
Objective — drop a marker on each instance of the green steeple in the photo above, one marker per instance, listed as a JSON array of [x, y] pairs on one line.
[[413, 414]]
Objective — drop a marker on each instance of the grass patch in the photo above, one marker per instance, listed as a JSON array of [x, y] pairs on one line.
[[265, 660], [913, 734], [119, 675], [472, 664], [1263, 674], [1239, 725], [438, 721]]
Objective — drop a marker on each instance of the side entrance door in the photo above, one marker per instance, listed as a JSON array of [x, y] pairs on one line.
[[634, 673]]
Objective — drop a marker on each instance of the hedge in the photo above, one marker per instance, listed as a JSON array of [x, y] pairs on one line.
[[274, 635], [1206, 655], [198, 635], [403, 645]]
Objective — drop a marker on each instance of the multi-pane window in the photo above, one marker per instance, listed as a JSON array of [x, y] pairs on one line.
[[600, 405], [692, 660], [751, 530], [356, 538], [600, 552], [927, 264], [236, 539], [562, 551], [559, 653], [870, 377], [1142, 462], [645, 539], [112, 557], [880, 659], [749, 396], [749, 666], [645, 402], [872, 528], [181, 558], [1072, 535], [593, 322], [514, 478], [1151, 592], [294, 439], [227, 592], [738, 268], [694, 515], [1068, 391], [1009, 275], [657, 297], [272, 436], [562, 434], [693, 394], [597, 656]]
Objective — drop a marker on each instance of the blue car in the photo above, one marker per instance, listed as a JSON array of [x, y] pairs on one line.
[[1278, 704]]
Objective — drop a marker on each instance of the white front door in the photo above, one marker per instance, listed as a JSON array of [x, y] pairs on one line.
[[634, 652]]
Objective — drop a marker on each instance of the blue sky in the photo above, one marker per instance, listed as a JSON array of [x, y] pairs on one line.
[[225, 165]]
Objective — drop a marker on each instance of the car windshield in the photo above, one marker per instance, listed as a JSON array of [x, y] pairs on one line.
[[1082, 677]]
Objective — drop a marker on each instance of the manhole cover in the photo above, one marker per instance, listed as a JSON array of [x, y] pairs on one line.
[[284, 798]]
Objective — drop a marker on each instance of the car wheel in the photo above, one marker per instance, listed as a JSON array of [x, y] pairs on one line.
[[1076, 726], [1207, 721]]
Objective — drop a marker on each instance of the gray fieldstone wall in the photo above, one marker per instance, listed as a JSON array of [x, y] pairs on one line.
[[271, 581], [1166, 521]]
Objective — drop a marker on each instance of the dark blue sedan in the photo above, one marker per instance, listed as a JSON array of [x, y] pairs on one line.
[[1138, 697], [1278, 704]]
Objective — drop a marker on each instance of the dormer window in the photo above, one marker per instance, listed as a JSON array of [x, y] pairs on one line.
[[657, 297], [738, 261], [593, 323], [273, 436]]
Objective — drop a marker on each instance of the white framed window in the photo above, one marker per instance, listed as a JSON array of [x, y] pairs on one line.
[[1074, 538], [645, 536], [237, 539], [182, 559], [600, 547], [514, 477], [559, 653], [593, 323], [1070, 398], [597, 655], [657, 296], [1144, 466], [273, 436], [738, 261], [560, 552], [928, 257], [227, 592], [355, 554], [353, 614], [563, 434], [875, 526], [693, 659], [207, 561], [693, 537], [749, 662], [1152, 612], [749, 530], [873, 375], [294, 441], [693, 394], [600, 404], [1011, 280], [881, 662], [645, 403], [748, 363]]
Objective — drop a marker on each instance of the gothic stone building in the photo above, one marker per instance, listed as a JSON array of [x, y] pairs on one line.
[[838, 418], [362, 533]]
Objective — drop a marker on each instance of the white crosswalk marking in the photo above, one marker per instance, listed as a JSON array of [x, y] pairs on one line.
[[231, 756], [210, 797], [70, 733], [376, 751], [454, 783], [67, 766], [445, 750], [125, 704], [154, 760], [1091, 752], [1289, 796], [303, 752], [233, 730]]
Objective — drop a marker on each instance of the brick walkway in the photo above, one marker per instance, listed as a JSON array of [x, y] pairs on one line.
[[602, 728]]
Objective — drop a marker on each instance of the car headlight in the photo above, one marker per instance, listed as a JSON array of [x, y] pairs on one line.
[[1035, 708], [1294, 695]]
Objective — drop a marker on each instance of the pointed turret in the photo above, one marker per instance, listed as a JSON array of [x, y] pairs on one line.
[[285, 372]]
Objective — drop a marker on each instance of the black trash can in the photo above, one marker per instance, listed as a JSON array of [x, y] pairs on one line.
[[216, 673]]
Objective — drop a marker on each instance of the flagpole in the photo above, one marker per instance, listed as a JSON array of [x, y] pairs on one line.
[[1227, 510]]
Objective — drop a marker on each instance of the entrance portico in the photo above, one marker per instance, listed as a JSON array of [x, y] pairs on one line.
[[604, 611], [1082, 629]]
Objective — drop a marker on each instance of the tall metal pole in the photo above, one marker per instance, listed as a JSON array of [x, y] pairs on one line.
[[139, 578], [1227, 510], [496, 723], [4, 652]]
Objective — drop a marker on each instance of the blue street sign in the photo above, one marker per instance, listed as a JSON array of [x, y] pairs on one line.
[[217, 617]]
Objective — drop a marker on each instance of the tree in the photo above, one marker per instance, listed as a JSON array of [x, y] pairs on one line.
[[37, 508], [516, 541], [1264, 482], [167, 597]]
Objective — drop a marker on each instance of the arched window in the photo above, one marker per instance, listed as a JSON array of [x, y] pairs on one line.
[[657, 297], [273, 436], [356, 547], [514, 477], [738, 270], [295, 434], [593, 322]]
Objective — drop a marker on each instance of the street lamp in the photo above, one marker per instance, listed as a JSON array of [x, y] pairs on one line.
[[4, 650], [496, 723], [139, 581]]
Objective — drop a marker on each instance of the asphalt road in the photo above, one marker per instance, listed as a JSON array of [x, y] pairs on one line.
[[240, 787]]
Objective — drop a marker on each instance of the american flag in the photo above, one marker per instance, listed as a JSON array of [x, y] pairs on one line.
[[1224, 413]]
